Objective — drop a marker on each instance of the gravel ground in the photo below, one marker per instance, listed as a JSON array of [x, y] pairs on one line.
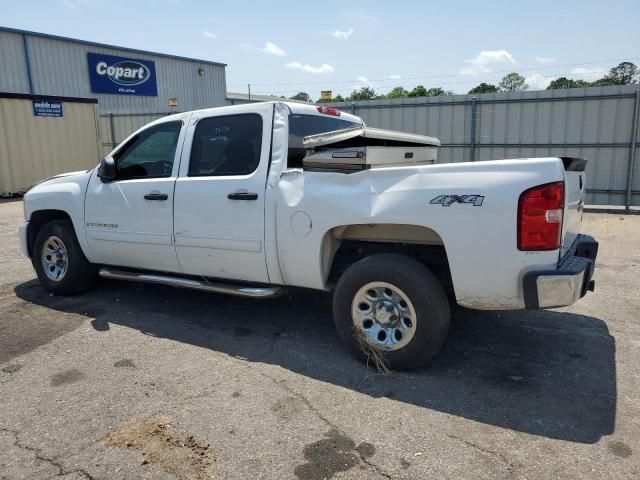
[[139, 381]]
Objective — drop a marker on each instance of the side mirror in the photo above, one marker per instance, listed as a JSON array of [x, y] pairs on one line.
[[107, 169]]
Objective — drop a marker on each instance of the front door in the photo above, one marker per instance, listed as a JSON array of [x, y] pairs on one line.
[[219, 195], [129, 221]]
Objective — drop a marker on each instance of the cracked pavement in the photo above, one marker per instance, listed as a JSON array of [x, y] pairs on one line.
[[196, 385]]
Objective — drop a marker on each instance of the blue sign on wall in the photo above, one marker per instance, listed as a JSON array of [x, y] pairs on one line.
[[47, 108], [123, 76]]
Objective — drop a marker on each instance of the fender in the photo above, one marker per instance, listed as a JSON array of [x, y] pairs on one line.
[[65, 193]]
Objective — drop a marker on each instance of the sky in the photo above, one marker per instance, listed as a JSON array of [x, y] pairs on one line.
[[283, 47]]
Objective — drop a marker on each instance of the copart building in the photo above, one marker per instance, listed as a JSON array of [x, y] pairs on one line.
[[64, 103]]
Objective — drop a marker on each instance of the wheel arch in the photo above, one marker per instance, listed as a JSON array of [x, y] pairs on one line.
[[38, 219], [345, 244]]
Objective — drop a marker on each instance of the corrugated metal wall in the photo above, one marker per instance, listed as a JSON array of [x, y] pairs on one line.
[[595, 123], [13, 68], [33, 148], [115, 128], [59, 67]]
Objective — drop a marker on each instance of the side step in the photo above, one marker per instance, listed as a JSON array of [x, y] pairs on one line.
[[226, 288]]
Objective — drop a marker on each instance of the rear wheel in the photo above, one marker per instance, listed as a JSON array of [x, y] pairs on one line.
[[59, 261], [391, 307]]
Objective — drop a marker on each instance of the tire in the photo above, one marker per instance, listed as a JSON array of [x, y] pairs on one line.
[[63, 249], [418, 307]]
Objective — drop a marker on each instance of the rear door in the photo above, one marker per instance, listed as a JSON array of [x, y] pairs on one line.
[[219, 195]]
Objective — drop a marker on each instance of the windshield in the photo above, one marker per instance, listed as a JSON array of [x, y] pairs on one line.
[[301, 126]]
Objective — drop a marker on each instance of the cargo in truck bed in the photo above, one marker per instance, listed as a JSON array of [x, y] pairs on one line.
[[356, 149]]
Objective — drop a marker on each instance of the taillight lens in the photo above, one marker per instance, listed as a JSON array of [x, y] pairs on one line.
[[328, 111], [540, 211]]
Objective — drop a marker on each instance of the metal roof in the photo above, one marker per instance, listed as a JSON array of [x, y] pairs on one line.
[[28, 96], [106, 45]]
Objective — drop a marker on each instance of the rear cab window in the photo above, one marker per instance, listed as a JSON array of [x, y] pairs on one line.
[[301, 126]]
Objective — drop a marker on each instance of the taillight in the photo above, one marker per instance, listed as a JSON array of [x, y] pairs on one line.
[[328, 111], [540, 212]]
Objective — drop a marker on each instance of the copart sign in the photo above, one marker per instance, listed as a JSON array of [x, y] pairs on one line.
[[119, 75]]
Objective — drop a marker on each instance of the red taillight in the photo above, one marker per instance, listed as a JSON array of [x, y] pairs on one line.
[[540, 212], [328, 110]]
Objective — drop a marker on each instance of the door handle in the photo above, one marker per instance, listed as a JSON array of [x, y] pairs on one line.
[[156, 196], [242, 196]]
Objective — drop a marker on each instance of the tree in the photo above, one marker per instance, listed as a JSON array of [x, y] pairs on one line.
[[421, 91], [397, 92], [624, 73], [338, 98], [418, 91], [436, 92], [304, 96], [513, 82], [602, 82], [564, 82], [365, 93], [484, 88]]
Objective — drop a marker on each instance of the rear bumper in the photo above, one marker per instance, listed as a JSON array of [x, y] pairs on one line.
[[568, 283]]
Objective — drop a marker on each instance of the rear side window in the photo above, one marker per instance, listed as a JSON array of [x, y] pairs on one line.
[[226, 145], [301, 126], [150, 153]]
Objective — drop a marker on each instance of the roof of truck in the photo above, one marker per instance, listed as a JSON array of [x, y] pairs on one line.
[[243, 97], [297, 108], [310, 109]]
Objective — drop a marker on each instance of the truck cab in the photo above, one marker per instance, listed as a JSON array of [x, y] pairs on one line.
[[191, 190]]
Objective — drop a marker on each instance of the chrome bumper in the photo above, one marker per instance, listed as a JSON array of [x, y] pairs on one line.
[[568, 283], [22, 230]]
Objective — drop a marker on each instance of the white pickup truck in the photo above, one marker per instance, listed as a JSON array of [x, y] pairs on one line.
[[250, 199]]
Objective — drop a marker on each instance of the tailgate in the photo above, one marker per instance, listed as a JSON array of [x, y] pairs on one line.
[[575, 185]]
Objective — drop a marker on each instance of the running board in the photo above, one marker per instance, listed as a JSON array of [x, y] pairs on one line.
[[229, 289]]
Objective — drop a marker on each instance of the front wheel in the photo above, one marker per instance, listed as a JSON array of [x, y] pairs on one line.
[[59, 261], [390, 307]]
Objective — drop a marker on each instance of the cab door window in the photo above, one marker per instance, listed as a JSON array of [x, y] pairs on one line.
[[150, 154], [226, 145]]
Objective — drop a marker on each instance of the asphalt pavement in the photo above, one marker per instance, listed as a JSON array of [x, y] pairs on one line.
[[139, 381]]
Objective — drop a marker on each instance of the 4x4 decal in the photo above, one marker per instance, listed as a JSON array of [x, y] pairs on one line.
[[448, 200]]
